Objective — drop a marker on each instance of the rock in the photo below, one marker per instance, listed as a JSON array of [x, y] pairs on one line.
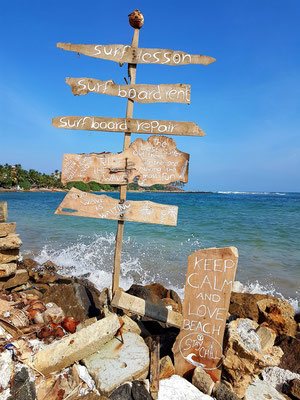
[[23, 388], [267, 337], [117, 362], [139, 392], [172, 305], [29, 263], [222, 392], [166, 368], [174, 296], [7, 256], [3, 211], [7, 269], [64, 295], [279, 315], [145, 294], [157, 289], [123, 392], [11, 241], [178, 388], [297, 317], [6, 369], [202, 381], [278, 377], [291, 353], [7, 228], [18, 279], [77, 346], [244, 358], [294, 388], [129, 325], [260, 390], [46, 273], [244, 305]]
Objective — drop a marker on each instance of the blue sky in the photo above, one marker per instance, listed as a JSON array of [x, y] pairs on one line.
[[248, 101]]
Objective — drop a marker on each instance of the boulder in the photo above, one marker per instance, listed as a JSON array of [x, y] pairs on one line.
[[157, 289], [116, 362], [291, 353], [244, 305], [3, 211], [123, 392], [293, 388], [7, 256], [18, 279], [77, 346], [278, 377], [172, 305], [178, 388], [11, 241], [202, 381], [171, 294], [166, 368], [46, 273], [7, 269], [279, 315], [22, 387], [222, 392], [139, 392], [145, 294], [243, 355], [260, 390], [7, 228]]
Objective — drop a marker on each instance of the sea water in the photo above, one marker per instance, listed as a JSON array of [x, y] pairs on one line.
[[265, 227]]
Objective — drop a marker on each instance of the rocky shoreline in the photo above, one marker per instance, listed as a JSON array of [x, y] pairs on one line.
[[60, 338]]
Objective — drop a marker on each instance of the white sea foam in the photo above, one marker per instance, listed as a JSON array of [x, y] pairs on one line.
[[270, 193]]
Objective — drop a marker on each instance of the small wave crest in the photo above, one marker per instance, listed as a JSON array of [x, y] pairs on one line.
[[260, 193]]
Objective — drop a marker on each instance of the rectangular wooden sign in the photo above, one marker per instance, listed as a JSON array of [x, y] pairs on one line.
[[165, 93], [127, 54], [82, 204], [153, 161], [147, 126], [209, 279]]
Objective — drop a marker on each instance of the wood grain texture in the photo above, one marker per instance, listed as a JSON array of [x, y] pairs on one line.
[[141, 93], [82, 204], [155, 161], [128, 54], [147, 126], [209, 279], [139, 306]]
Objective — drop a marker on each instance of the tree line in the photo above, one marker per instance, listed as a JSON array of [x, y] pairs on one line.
[[14, 176]]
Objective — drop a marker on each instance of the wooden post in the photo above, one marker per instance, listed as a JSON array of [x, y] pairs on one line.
[[123, 188], [154, 367]]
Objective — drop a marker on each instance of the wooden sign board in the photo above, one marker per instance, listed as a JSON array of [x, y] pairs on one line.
[[147, 126], [209, 280], [82, 204], [175, 93], [154, 161], [127, 54]]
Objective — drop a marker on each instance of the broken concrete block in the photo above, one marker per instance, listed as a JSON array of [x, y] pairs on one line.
[[18, 279], [86, 323], [278, 377], [6, 369], [3, 211], [117, 362], [267, 337], [130, 325], [244, 358], [7, 256], [260, 390], [7, 269], [11, 241], [202, 381], [178, 388], [7, 228], [77, 346], [166, 367]]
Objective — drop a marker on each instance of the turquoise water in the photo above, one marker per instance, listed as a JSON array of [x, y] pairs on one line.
[[263, 226]]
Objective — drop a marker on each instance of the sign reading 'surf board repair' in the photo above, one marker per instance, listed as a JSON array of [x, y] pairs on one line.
[[209, 281]]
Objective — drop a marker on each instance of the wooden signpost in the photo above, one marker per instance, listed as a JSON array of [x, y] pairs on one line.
[[154, 161], [209, 279], [178, 93]]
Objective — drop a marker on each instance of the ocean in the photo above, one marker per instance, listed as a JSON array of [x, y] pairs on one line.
[[265, 227]]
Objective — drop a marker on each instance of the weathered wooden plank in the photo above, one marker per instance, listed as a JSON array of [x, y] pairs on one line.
[[139, 306], [209, 279], [3, 211], [141, 93], [154, 367], [127, 54], [7, 228], [147, 126], [84, 204], [155, 161]]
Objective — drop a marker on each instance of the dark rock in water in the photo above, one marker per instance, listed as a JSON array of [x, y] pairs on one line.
[[291, 353], [139, 392], [244, 305], [22, 388], [293, 388], [28, 263], [145, 293], [123, 392], [222, 392]]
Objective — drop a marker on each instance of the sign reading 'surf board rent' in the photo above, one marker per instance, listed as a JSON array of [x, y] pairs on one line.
[[209, 281]]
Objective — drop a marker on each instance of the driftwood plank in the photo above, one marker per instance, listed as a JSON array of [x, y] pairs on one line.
[[154, 367], [127, 54], [164, 93], [154, 161], [82, 204], [147, 126], [139, 306], [209, 279]]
